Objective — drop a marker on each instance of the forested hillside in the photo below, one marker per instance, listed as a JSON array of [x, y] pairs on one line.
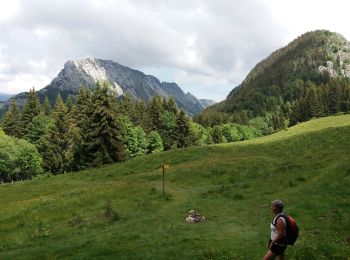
[[317, 61]]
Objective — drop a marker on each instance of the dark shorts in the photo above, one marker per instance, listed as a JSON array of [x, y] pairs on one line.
[[277, 249]]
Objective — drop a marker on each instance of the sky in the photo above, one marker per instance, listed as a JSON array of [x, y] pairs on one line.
[[206, 46]]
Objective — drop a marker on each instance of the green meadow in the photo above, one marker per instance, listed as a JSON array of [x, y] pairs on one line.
[[119, 212]]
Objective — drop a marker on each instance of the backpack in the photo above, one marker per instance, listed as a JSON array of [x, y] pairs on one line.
[[292, 229]]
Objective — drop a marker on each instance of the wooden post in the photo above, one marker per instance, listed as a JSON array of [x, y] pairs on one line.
[[163, 179]]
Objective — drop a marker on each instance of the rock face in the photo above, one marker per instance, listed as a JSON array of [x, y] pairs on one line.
[[86, 72], [207, 102]]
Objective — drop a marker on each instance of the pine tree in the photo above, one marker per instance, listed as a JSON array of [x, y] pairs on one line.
[[11, 123], [69, 103], [155, 109], [31, 109], [170, 105], [168, 130], [81, 115], [83, 109], [313, 107], [46, 107], [277, 121], [296, 115], [185, 136], [106, 144], [333, 97], [59, 145], [140, 116], [37, 129], [126, 106], [345, 102]]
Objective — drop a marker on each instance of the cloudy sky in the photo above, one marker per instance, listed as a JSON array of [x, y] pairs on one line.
[[206, 46]]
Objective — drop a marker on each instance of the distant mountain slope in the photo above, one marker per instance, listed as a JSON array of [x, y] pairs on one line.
[[87, 72], [119, 212], [275, 82], [5, 97], [207, 102]]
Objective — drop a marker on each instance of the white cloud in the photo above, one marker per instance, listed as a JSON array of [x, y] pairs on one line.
[[15, 84], [298, 16], [202, 45], [8, 9]]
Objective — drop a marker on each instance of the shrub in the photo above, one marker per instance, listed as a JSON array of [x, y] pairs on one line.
[[155, 143], [19, 160]]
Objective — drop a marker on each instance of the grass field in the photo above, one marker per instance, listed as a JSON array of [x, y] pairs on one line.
[[118, 211]]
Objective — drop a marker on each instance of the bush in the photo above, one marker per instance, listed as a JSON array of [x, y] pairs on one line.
[[230, 133], [19, 160], [248, 132], [134, 137], [155, 143]]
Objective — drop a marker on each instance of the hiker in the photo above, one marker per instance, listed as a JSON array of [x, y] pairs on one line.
[[277, 244], [193, 217]]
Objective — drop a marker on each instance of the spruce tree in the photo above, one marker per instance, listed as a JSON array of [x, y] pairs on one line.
[[83, 109], [81, 115], [31, 109], [69, 103], [333, 97], [276, 121], [345, 102], [140, 116], [170, 105], [37, 129], [185, 136], [126, 106], [168, 130], [155, 109], [46, 107], [106, 144], [313, 107], [11, 123], [59, 145]]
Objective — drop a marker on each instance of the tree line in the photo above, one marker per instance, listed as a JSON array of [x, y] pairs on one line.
[[299, 102], [96, 128], [322, 100]]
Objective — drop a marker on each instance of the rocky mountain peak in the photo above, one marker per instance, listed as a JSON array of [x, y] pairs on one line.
[[90, 67], [87, 72]]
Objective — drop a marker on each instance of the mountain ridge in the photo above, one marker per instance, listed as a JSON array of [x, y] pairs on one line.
[[86, 72]]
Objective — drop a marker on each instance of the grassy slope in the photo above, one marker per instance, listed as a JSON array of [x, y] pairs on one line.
[[307, 166]]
